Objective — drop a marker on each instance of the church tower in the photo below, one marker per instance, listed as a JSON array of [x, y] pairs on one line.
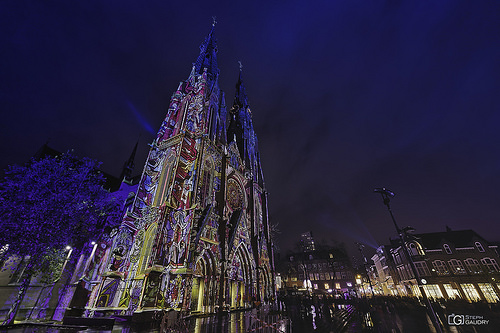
[[196, 238]]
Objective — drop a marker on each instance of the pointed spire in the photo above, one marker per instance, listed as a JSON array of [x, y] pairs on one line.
[[128, 166], [240, 97], [207, 58], [240, 124]]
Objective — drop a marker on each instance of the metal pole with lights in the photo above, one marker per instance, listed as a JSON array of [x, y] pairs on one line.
[[386, 196], [359, 282], [365, 265]]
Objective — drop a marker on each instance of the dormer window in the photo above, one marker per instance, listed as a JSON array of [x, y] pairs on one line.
[[416, 249], [413, 249], [447, 248], [479, 247]]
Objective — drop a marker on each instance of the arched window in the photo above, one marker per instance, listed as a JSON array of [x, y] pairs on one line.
[[164, 183], [440, 267], [413, 249], [416, 249], [479, 247], [206, 183], [456, 266], [447, 248], [149, 238], [473, 265], [491, 264]]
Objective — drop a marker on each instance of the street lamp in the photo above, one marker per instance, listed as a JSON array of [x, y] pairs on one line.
[[365, 265], [359, 282], [403, 233]]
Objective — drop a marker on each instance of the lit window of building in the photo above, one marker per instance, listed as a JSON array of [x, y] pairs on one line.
[[470, 292], [452, 292], [479, 247], [307, 241], [337, 285], [491, 264], [416, 291], [473, 265], [432, 290], [327, 286], [456, 266], [488, 292], [315, 286]]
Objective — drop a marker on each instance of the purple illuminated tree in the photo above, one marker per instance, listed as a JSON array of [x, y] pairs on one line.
[[48, 205]]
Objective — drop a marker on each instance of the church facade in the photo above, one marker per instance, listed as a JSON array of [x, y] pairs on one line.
[[196, 237]]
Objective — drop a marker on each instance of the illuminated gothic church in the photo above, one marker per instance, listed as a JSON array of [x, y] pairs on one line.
[[196, 237]]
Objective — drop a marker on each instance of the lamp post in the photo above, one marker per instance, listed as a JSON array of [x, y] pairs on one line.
[[386, 196], [359, 282], [365, 265]]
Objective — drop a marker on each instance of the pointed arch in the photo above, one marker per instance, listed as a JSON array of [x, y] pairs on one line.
[[210, 262], [415, 249], [165, 181], [149, 239], [247, 265], [204, 284], [266, 281], [206, 181]]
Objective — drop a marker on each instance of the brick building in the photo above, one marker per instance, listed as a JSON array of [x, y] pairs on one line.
[[451, 264]]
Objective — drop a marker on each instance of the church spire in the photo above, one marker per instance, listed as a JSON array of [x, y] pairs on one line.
[[207, 58], [240, 127], [128, 166], [240, 97]]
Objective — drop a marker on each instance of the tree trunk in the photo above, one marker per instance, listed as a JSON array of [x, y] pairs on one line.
[[11, 315]]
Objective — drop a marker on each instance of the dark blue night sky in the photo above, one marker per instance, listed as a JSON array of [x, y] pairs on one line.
[[346, 96]]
